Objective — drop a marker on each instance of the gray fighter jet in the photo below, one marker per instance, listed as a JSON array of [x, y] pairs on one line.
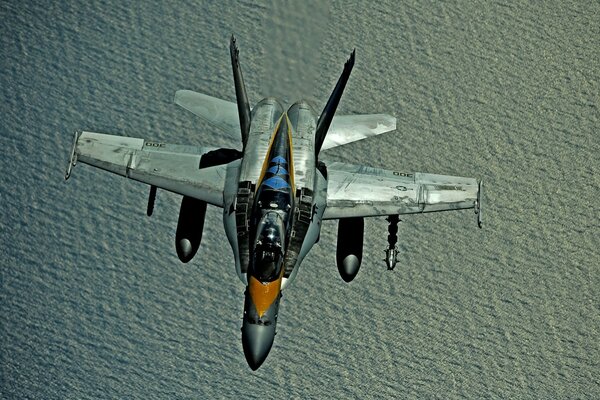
[[276, 189]]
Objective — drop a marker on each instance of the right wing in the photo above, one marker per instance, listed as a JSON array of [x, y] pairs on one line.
[[175, 168], [359, 191]]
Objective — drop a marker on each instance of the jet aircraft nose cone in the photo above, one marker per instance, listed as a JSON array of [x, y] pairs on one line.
[[257, 341]]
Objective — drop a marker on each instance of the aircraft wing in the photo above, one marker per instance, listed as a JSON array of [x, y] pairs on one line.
[[359, 191], [350, 128], [175, 168]]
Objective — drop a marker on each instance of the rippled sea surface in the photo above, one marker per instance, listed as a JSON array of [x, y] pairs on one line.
[[95, 304]]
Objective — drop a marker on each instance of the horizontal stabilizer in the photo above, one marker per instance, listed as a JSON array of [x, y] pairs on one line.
[[343, 129], [350, 128], [219, 113]]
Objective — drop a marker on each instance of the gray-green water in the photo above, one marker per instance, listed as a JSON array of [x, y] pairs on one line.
[[95, 304]]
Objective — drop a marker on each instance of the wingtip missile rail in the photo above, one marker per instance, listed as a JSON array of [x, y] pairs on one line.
[[73, 156], [478, 204]]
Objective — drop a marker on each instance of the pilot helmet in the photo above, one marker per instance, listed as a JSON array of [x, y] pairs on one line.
[[268, 251]]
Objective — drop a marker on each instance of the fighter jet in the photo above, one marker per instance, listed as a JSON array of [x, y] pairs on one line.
[[275, 189]]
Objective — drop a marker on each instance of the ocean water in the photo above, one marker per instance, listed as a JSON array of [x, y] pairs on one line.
[[95, 304]]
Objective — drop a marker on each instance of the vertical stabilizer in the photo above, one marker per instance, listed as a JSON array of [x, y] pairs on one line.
[[332, 103], [240, 91]]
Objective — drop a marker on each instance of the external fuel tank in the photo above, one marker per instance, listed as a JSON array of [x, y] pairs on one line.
[[349, 247]]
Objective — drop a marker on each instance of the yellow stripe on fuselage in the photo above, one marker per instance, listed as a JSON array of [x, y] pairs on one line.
[[266, 161], [263, 295], [291, 160]]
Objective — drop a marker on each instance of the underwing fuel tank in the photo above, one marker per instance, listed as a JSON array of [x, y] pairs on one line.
[[350, 247], [193, 211], [189, 227]]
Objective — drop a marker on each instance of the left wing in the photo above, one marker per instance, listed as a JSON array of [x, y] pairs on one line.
[[175, 168], [359, 191]]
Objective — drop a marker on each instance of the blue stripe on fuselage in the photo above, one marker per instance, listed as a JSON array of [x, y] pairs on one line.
[[275, 182], [277, 176], [279, 159], [277, 170]]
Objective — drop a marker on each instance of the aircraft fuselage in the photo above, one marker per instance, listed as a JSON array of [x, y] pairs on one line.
[[273, 217]]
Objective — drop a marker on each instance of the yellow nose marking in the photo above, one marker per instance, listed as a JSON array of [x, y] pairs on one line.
[[264, 294]]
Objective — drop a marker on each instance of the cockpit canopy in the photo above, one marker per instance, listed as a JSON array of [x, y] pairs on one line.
[[269, 247]]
